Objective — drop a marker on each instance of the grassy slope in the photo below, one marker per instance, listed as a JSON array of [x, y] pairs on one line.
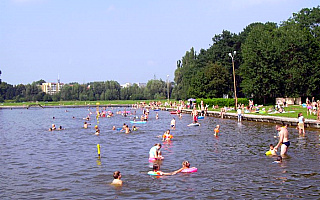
[[295, 108]]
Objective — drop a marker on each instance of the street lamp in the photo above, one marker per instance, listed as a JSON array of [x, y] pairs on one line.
[[234, 79], [168, 88]]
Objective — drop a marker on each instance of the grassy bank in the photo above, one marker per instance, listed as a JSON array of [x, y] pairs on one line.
[[290, 111]]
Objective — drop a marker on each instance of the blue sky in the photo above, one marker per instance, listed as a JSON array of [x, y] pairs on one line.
[[121, 40]]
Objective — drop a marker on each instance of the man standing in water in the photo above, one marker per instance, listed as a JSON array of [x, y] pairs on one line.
[[173, 124], [283, 139]]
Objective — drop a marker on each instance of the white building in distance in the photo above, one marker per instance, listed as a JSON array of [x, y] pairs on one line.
[[52, 88]]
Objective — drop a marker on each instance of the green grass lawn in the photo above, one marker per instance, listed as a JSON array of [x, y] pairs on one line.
[[295, 108]]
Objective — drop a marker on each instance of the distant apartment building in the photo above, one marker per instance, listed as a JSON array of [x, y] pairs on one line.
[[51, 88]]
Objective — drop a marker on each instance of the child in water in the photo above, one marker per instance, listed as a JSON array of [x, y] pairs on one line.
[[167, 136], [127, 129], [156, 169], [216, 130], [279, 160], [185, 165], [85, 125], [117, 177], [134, 128], [272, 150]]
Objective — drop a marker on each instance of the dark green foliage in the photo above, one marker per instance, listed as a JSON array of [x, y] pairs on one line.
[[221, 102]]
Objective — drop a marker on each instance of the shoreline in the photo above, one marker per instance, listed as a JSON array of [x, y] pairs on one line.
[[64, 106], [309, 123]]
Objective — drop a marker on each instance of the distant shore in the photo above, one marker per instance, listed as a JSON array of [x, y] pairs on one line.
[[310, 123], [64, 106]]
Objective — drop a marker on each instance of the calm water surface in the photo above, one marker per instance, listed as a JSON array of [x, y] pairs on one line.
[[38, 164]]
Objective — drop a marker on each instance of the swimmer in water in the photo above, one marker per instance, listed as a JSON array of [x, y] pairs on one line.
[[127, 129], [114, 128], [167, 136], [124, 126], [156, 168], [272, 150], [50, 129], [155, 152], [216, 130], [54, 127], [97, 132], [134, 128], [194, 114], [185, 165], [60, 128], [117, 176], [173, 124], [157, 115], [85, 125], [279, 160], [283, 140]]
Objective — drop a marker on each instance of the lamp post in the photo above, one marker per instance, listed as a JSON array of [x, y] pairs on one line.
[[168, 88], [234, 79]]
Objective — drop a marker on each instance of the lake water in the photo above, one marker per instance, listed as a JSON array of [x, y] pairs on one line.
[[38, 164]]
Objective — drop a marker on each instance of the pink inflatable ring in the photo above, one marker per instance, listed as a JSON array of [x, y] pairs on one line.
[[152, 159], [190, 170]]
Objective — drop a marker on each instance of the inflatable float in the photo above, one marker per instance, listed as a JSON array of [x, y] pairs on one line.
[[268, 153], [138, 122], [194, 124], [190, 170], [152, 173]]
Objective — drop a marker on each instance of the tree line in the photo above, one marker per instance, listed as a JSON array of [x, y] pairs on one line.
[[94, 91], [271, 61]]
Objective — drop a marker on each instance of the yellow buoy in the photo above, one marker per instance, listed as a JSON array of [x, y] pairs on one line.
[[98, 147]]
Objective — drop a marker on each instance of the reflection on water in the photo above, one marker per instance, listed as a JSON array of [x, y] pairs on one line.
[[38, 164]]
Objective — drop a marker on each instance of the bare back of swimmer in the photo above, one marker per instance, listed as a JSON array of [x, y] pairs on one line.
[[283, 139]]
